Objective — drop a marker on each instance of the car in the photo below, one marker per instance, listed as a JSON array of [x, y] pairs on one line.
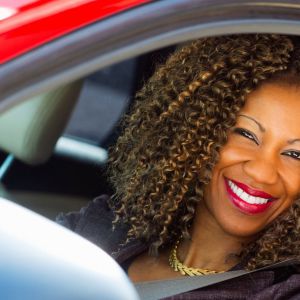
[[46, 45], [69, 70]]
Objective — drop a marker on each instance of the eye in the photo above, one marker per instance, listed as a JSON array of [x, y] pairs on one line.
[[293, 154], [247, 134]]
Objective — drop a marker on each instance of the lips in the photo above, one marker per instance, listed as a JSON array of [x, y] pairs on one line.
[[246, 199], [253, 192]]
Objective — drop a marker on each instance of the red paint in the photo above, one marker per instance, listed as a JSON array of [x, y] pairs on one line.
[[243, 206], [253, 192], [20, 4], [38, 22]]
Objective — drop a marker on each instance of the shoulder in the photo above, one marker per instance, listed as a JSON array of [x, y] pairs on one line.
[[278, 283], [260, 285], [286, 284], [94, 222]]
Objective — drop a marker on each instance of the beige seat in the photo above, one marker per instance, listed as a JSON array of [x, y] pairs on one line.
[[29, 132]]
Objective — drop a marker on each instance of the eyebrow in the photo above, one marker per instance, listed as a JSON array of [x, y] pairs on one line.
[[257, 123], [293, 141]]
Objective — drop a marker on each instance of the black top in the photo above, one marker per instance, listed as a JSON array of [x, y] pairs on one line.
[[94, 222]]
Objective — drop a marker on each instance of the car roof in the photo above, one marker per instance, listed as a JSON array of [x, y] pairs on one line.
[[27, 24]]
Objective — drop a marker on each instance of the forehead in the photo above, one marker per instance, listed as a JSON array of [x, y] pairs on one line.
[[274, 102]]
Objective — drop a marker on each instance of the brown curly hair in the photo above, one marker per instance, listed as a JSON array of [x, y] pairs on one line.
[[177, 126]]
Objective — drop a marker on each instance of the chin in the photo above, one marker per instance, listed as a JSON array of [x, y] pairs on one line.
[[242, 228]]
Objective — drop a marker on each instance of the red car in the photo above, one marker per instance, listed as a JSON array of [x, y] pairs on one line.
[[55, 54]]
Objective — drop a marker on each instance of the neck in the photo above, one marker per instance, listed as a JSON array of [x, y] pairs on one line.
[[210, 247]]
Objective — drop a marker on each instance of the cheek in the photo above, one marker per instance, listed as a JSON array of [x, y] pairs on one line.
[[229, 157], [232, 153], [290, 178], [293, 190]]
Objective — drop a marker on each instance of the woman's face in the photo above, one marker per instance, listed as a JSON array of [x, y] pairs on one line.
[[258, 174]]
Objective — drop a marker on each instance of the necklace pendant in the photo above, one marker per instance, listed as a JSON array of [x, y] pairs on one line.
[[185, 270]]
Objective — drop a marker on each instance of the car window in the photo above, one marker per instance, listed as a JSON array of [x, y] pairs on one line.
[[84, 56], [73, 172], [104, 97]]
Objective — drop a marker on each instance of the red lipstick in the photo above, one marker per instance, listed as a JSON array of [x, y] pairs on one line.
[[253, 192], [243, 206]]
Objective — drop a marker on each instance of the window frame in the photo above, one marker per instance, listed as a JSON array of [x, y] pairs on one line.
[[149, 27]]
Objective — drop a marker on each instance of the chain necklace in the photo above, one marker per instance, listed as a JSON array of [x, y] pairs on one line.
[[185, 270]]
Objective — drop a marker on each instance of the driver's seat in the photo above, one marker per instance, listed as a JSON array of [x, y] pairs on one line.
[[29, 132]]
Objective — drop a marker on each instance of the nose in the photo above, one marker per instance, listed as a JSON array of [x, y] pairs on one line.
[[262, 170]]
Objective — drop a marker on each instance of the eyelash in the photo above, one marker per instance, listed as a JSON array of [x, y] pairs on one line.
[[293, 154], [250, 136], [246, 134]]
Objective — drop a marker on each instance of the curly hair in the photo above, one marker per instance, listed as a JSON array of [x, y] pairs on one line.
[[172, 137]]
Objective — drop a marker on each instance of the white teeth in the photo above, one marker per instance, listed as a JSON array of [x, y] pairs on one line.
[[245, 196], [239, 192], [251, 199]]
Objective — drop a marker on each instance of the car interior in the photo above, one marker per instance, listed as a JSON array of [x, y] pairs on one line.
[[54, 146]]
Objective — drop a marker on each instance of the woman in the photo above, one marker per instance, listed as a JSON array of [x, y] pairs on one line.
[[207, 170]]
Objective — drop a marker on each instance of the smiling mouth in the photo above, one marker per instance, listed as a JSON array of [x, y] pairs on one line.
[[244, 201]]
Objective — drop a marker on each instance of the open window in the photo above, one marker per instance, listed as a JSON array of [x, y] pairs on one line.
[[96, 70]]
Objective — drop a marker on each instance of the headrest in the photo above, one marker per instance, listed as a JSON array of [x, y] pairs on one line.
[[30, 130]]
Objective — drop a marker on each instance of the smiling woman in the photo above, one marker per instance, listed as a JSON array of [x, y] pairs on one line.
[[206, 171], [259, 167]]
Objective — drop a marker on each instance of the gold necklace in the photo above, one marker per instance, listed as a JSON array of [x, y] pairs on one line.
[[185, 270]]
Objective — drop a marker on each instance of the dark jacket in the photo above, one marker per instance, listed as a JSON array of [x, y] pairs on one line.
[[94, 222]]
